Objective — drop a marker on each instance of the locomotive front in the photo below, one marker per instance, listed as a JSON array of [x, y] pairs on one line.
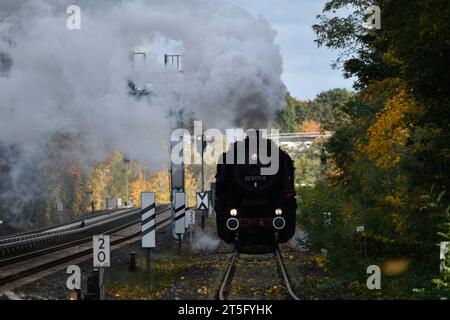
[[255, 206]]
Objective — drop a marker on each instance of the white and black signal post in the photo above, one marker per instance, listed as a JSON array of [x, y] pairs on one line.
[[203, 204], [180, 216], [202, 200], [201, 146], [102, 259], [148, 223], [172, 83]]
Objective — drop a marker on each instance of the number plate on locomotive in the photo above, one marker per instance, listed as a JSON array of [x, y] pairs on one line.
[[255, 178]]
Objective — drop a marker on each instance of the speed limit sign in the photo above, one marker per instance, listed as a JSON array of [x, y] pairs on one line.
[[101, 252]]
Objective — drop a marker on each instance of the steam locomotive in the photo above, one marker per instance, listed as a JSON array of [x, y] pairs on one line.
[[255, 209]]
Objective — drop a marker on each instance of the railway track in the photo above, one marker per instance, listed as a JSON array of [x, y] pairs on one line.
[[42, 239], [23, 264], [88, 218], [225, 286]]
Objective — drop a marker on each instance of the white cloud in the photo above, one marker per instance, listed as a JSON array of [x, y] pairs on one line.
[[307, 70]]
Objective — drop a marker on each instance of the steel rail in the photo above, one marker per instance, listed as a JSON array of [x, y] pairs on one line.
[[48, 230], [287, 281], [58, 261], [59, 247], [22, 246], [227, 277], [61, 231]]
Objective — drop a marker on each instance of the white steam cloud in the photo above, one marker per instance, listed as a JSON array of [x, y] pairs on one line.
[[75, 81], [205, 242]]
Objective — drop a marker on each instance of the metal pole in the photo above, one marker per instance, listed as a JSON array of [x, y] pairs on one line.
[[179, 244], [203, 220], [101, 284], [132, 267], [98, 284], [126, 183], [148, 260], [365, 247], [203, 164], [203, 179]]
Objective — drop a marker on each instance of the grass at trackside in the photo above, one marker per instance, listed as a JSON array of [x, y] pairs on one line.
[[347, 285], [141, 285]]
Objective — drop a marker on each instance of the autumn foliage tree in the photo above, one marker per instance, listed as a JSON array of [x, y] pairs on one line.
[[392, 157]]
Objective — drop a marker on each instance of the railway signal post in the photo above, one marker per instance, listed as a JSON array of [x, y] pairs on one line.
[[102, 259], [203, 204], [180, 216], [174, 71], [148, 224], [201, 147]]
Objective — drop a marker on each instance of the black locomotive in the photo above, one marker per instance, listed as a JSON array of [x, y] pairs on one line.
[[253, 208]]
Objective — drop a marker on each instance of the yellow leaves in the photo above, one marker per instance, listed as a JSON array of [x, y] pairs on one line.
[[191, 188], [393, 201], [203, 290], [76, 189], [144, 182], [273, 290], [355, 285], [310, 126], [388, 135], [136, 188], [321, 262], [394, 267]]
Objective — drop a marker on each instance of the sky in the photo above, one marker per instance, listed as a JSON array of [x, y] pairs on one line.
[[307, 70]]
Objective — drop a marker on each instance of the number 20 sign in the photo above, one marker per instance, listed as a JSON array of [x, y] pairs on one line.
[[101, 252]]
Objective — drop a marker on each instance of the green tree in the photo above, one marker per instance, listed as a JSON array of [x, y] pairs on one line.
[[329, 107], [287, 117], [392, 147]]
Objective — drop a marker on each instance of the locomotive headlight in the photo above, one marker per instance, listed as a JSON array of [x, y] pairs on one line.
[[234, 212], [278, 212], [254, 157]]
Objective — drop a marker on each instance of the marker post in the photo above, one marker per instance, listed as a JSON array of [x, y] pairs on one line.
[[102, 259], [180, 217], [149, 268], [148, 224]]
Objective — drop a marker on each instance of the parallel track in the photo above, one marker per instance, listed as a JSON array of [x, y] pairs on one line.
[[228, 276], [59, 227], [55, 262]]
